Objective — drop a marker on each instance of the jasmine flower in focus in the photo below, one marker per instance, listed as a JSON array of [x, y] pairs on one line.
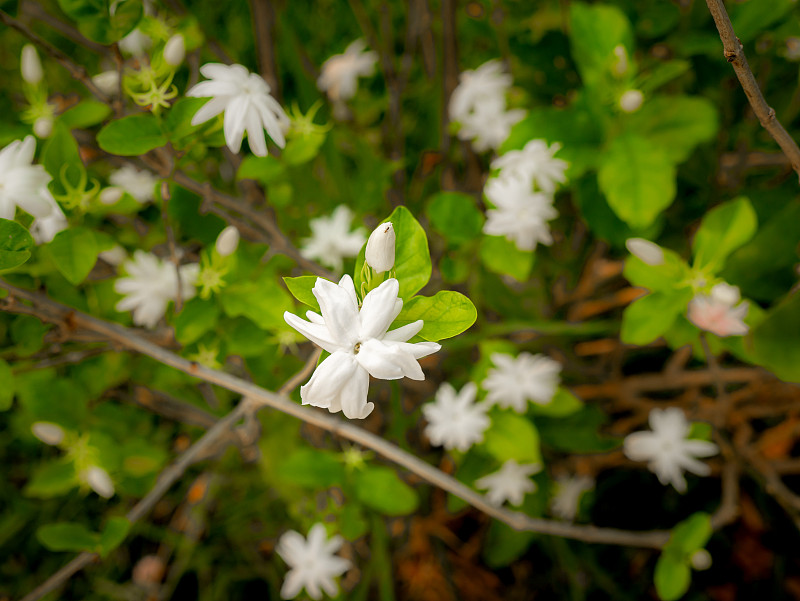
[[23, 184]]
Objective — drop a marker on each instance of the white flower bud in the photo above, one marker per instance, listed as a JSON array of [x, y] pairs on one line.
[[30, 65], [99, 481], [114, 256], [43, 127], [646, 251], [111, 195], [175, 50], [48, 432], [631, 101], [227, 241], [380, 248], [701, 559], [726, 294], [107, 81], [621, 65]]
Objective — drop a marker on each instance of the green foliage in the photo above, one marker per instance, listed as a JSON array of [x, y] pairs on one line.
[[381, 489], [512, 437], [68, 536], [723, 230], [597, 30], [131, 136], [446, 314], [98, 22], [776, 340], [74, 252], [455, 216], [673, 570], [652, 315], [503, 256], [14, 244], [6, 385]]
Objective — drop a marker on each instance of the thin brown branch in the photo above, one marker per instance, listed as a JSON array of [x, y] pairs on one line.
[[734, 54], [264, 29]]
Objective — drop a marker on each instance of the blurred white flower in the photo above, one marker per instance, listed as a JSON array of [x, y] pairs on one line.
[[331, 240], [139, 183], [534, 165], [718, 312], [30, 65], [644, 250], [175, 50], [135, 43], [99, 481], [340, 73], [569, 491], [510, 483], [379, 253], [700, 560], [514, 382], [631, 101], [227, 241], [44, 229], [313, 562], [43, 127], [150, 286], [23, 184], [245, 99], [111, 195], [793, 48], [107, 82], [519, 214], [359, 343], [455, 420], [667, 450], [48, 432], [114, 256]]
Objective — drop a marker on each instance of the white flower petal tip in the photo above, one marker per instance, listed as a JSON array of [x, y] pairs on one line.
[[455, 420], [360, 345], [512, 383], [48, 432], [644, 250], [511, 483], [667, 449], [331, 241], [379, 253], [227, 241], [99, 481], [313, 562], [339, 74], [718, 312]]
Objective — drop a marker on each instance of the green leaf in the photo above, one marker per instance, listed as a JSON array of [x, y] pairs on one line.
[[352, 522], [690, 535], [74, 251], [381, 489], [141, 457], [6, 385], [104, 28], [456, 216], [28, 334], [14, 244], [503, 256], [113, 535], [312, 469], [563, 403], [724, 229], [649, 317], [663, 277], [67, 536], [446, 314], [512, 436], [262, 300], [672, 577], [776, 340], [178, 121], [302, 148], [638, 179], [61, 158], [266, 170], [597, 30], [412, 260], [131, 136], [85, 114], [301, 287], [52, 479], [577, 433], [197, 317], [504, 544]]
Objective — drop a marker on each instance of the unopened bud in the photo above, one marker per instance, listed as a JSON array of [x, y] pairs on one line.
[[114, 256], [48, 432], [701, 559], [631, 101], [621, 64], [107, 82], [111, 195], [43, 127], [726, 294], [99, 481], [380, 248], [646, 251], [228, 241], [30, 65], [175, 50]]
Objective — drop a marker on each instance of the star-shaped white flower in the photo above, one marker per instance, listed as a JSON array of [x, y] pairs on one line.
[[718, 312], [150, 286], [455, 420], [534, 165], [140, 184], [667, 450], [359, 343], [23, 184], [569, 491], [514, 382], [340, 73], [520, 215], [313, 562], [245, 99], [331, 240], [510, 483]]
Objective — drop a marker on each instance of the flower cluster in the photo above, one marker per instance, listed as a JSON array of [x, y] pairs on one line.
[[478, 105]]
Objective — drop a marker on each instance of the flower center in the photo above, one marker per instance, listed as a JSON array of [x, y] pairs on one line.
[[356, 348]]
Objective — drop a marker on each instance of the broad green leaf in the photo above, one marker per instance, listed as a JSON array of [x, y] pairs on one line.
[[691, 534], [637, 178], [28, 334], [266, 170], [503, 256], [197, 317], [577, 433], [141, 457], [79, 9], [61, 158], [14, 244], [105, 28], [243, 338], [52, 479], [446, 314], [649, 317], [262, 300], [663, 73], [113, 535], [663, 277], [563, 403], [724, 229], [85, 114], [776, 340], [512, 436], [672, 577], [301, 287], [456, 216], [412, 261], [178, 121], [6, 385], [597, 30], [131, 136], [312, 469], [352, 522], [74, 251], [67, 536], [381, 489], [302, 148], [504, 544]]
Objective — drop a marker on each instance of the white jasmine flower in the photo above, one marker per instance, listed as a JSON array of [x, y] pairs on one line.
[[331, 240], [667, 450], [107, 82], [99, 481], [379, 253], [227, 241], [30, 65], [718, 312], [569, 491], [644, 250], [520, 215], [631, 101], [44, 229], [150, 286], [510, 483], [534, 165], [313, 562], [135, 43], [23, 184], [139, 183], [514, 382], [340, 73], [245, 99], [48, 432], [489, 124], [359, 343], [455, 420], [175, 50]]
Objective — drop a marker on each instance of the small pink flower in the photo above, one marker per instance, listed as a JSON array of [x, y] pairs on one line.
[[718, 312]]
